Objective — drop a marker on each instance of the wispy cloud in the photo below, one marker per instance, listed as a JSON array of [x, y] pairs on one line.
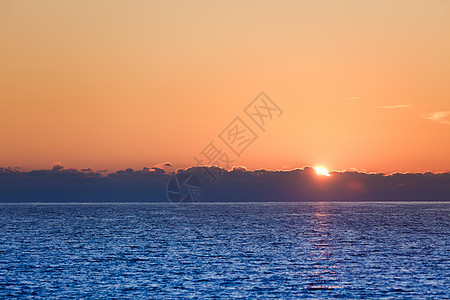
[[353, 98], [441, 117], [395, 106]]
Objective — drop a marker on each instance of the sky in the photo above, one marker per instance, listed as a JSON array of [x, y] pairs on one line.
[[131, 84]]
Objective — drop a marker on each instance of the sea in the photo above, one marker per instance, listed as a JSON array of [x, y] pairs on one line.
[[312, 250]]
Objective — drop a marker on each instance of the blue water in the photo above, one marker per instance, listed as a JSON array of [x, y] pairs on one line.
[[312, 250]]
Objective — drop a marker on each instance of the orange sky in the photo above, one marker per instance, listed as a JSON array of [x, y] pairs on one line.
[[116, 84]]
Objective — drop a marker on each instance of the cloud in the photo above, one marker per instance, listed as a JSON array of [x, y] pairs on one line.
[[353, 98], [57, 168], [10, 169], [395, 106], [163, 165], [441, 117], [236, 185], [239, 169]]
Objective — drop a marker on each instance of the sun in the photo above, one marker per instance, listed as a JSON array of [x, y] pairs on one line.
[[321, 171]]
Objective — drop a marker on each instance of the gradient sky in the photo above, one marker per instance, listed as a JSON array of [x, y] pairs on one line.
[[116, 84]]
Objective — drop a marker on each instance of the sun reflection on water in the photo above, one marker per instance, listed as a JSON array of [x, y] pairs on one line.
[[324, 273]]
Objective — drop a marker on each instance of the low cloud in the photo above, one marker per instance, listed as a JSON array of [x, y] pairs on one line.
[[57, 168], [220, 185], [441, 117]]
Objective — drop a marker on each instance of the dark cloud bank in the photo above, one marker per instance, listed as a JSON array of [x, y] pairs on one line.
[[238, 185]]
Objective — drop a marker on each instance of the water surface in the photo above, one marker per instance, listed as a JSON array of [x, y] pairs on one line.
[[270, 250]]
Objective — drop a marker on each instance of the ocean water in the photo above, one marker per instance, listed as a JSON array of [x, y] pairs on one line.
[[284, 250]]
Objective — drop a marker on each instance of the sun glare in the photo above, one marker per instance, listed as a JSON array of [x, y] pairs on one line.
[[322, 171]]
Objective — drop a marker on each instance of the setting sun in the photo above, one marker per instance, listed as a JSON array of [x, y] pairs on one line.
[[322, 171]]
